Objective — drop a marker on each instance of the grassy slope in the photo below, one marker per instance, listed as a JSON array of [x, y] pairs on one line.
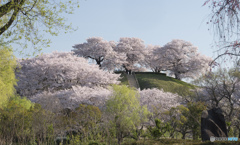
[[153, 80], [168, 84]]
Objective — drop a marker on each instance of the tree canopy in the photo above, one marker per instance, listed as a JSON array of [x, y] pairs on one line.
[[221, 89], [59, 71], [125, 111], [133, 49], [7, 74], [27, 19], [181, 58], [101, 51]]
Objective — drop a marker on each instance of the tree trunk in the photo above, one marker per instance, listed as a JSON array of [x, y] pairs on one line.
[[183, 135], [235, 132], [118, 133], [195, 136], [228, 129], [119, 141], [126, 71], [130, 72], [177, 76], [99, 63], [119, 137], [172, 134]]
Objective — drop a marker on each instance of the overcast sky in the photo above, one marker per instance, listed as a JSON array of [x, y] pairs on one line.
[[156, 22]]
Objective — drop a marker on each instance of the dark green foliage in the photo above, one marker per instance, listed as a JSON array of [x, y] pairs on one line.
[[23, 122], [84, 121], [192, 112], [93, 143], [160, 129]]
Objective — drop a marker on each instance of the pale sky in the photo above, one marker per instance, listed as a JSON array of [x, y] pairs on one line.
[[156, 22]]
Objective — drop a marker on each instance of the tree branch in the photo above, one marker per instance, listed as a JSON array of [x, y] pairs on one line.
[[13, 17], [223, 55], [4, 9]]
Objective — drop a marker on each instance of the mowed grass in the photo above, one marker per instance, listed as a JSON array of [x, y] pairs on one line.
[[160, 81], [156, 80]]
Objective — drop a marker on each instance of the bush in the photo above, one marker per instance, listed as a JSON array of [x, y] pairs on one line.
[[7, 75], [23, 122]]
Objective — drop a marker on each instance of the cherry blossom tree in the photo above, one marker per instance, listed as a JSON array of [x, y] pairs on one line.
[[155, 97], [158, 102], [101, 51], [59, 71], [133, 48], [182, 59], [153, 60], [71, 98]]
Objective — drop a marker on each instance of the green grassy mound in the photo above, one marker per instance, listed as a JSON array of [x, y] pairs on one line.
[[161, 81]]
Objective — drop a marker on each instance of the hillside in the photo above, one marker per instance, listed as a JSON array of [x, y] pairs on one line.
[[160, 81], [124, 80]]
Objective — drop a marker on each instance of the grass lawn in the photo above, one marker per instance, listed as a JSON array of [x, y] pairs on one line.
[[160, 81], [156, 80]]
